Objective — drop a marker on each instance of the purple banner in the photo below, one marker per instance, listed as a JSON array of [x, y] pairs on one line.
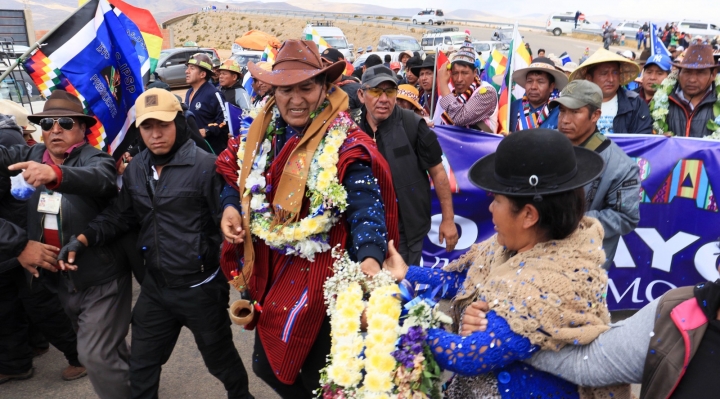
[[675, 243]]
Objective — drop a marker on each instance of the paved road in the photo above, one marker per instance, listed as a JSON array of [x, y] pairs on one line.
[[184, 375], [545, 40]]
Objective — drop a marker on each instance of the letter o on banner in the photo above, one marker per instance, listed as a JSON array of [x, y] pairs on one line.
[[706, 261], [468, 232]]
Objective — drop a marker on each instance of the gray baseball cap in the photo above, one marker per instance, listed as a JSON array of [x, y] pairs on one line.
[[373, 76], [578, 94]]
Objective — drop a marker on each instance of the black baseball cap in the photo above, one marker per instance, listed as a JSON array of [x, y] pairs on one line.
[[378, 74], [332, 55]]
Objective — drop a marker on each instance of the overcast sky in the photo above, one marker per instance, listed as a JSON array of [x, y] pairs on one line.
[[661, 10]]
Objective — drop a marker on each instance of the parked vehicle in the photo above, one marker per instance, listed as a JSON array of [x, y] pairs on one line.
[[446, 38], [399, 43], [246, 56], [485, 48], [172, 64], [429, 17], [565, 23], [695, 27], [629, 28], [334, 37]]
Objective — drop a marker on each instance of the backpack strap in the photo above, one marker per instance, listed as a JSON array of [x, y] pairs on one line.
[[411, 124]]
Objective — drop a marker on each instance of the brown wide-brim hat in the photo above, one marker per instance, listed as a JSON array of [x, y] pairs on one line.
[[697, 56], [296, 61], [629, 70], [61, 103]]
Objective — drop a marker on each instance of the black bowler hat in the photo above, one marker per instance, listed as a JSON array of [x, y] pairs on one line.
[[536, 162]]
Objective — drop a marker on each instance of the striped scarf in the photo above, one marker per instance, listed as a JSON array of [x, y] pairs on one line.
[[533, 119], [462, 98]]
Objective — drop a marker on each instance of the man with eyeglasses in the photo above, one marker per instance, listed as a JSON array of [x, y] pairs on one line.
[[472, 103], [73, 183], [412, 151], [623, 110]]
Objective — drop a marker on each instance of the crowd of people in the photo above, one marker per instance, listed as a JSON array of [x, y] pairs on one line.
[[335, 158]]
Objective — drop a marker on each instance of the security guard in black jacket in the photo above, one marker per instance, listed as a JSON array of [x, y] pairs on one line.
[[202, 101], [171, 191]]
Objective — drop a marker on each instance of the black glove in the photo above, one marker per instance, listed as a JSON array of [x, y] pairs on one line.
[[73, 246]]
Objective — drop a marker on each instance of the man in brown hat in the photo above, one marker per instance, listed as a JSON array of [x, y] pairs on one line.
[[75, 181], [202, 101], [692, 101], [20, 303], [293, 330], [623, 111]]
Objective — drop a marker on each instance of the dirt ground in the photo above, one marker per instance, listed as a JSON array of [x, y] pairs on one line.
[[219, 30]]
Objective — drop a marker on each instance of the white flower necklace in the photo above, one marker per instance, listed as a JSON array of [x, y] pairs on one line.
[[660, 105], [328, 198]]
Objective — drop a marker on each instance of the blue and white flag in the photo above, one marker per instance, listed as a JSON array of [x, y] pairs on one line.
[[97, 55], [656, 44]]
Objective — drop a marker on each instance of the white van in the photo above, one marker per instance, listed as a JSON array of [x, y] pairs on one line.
[[334, 37], [695, 27], [565, 23], [447, 39]]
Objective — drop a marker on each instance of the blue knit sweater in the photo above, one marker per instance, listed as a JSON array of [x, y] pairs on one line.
[[496, 350]]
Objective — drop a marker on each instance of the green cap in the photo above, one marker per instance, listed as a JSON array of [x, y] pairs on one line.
[[578, 94]]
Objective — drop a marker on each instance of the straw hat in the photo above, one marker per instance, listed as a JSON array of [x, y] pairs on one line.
[[540, 64], [12, 108], [629, 70], [410, 94], [296, 61]]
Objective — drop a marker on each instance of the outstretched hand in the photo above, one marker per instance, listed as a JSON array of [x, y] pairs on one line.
[[395, 263], [35, 173]]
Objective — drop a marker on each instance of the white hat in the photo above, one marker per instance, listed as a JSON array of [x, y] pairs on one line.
[[16, 110]]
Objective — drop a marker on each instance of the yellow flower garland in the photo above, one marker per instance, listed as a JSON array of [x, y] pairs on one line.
[[347, 343], [383, 314]]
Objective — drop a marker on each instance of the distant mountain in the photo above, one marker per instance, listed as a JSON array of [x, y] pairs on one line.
[[351, 8]]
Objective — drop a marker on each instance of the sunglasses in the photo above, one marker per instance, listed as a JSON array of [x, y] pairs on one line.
[[391, 92], [64, 122]]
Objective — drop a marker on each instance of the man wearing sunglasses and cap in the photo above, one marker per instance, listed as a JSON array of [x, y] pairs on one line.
[[412, 151], [74, 182], [202, 101], [171, 192]]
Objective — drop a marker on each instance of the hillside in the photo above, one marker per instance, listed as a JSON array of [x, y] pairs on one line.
[[219, 30]]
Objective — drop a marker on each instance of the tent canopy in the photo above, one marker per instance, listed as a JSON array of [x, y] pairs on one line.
[[257, 40]]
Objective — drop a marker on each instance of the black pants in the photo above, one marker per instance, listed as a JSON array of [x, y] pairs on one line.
[[158, 316], [20, 305], [309, 377]]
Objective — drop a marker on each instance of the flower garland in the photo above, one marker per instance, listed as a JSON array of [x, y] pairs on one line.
[[328, 198], [660, 105], [383, 313], [343, 291], [714, 124]]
